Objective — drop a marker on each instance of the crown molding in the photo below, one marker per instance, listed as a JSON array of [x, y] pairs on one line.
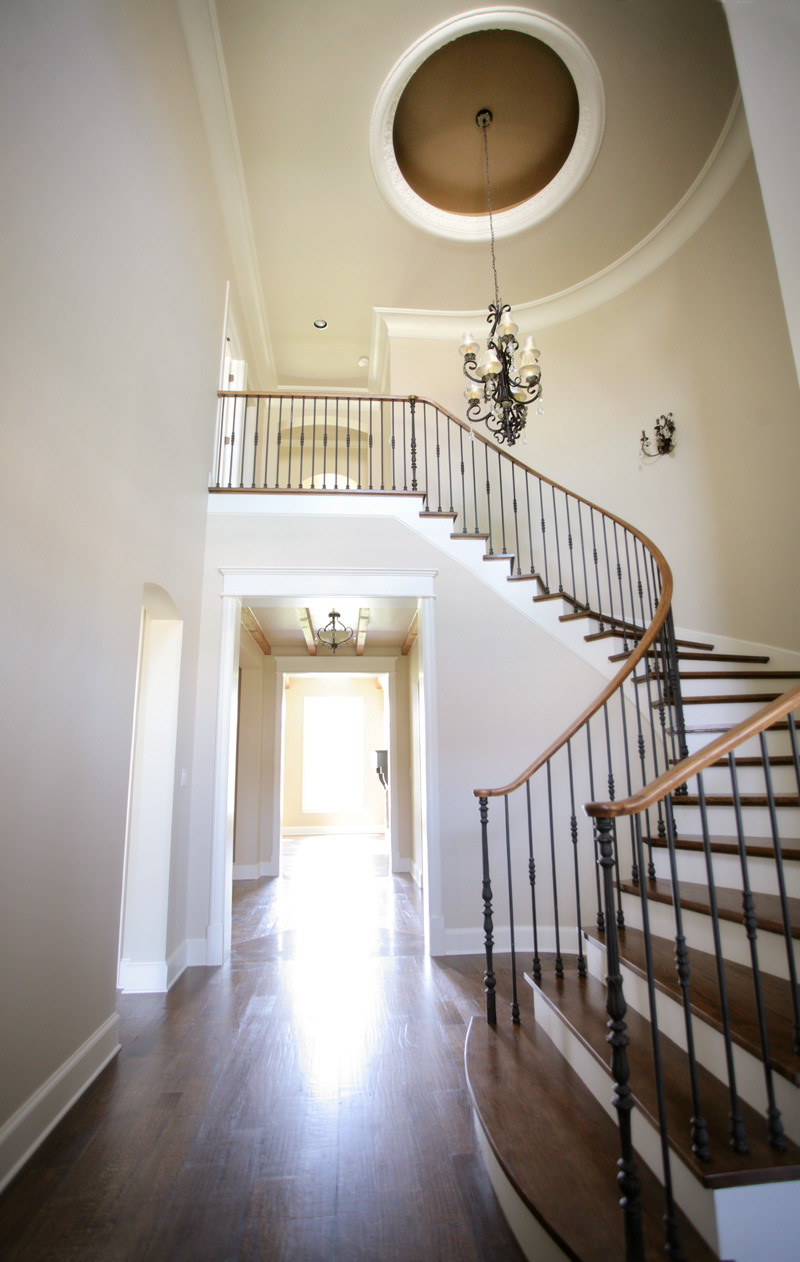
[[201, 31], [591, 119], [715, 179]]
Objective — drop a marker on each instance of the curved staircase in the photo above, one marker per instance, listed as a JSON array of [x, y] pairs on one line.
[[655, 1031]]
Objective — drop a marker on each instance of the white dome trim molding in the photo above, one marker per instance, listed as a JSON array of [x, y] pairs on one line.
[[591, 119]]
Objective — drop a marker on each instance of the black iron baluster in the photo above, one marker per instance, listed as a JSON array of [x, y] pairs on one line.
[[233, 444], [558, 545], [530, 527], [463, 483], [698, 1126], [516, 518], [266, 443], [488, 926], [675, 695], [302, 442], [596, 557], [222, 410], [637, 633], [369, 445], [313, 445], [392, 445], [774, 1123], [413, 403], [325, 448], [601, 922], [536, 962], [787, 924], [628, 1178], [570, 546], [244, 444], [383, 447], [291, 441], [474, 480], [514, 1003], [573, 828], [255, 446], [438, 464], [278, 442], [621, 591], [502, 506], [612, 798], [559, 960], [450, 460], [347, 449], [336, 449], [635, 866], [662, 832], [359, 443], [653, 674], [425, 448], [611, 619], [488, 500], [583, 556], [544, 538], [738, 1137], [674, 1248]]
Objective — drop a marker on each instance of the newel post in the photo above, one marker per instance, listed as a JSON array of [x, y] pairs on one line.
[[628, 1178], [488, 924]]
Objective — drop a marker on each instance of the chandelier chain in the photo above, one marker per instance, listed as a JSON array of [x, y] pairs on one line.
[[491, 221]]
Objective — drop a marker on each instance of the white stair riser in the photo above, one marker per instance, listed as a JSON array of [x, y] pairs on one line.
[[722, 821], [728, 872], [709, 1045], [750, 780], [772, 955]]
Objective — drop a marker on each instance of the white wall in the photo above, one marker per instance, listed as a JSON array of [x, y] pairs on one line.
[[703, 337], [114, 272]]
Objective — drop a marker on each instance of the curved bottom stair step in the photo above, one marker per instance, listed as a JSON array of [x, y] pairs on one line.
[[557, 1146]]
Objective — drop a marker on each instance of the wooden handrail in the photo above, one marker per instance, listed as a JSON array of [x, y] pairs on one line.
[[669, 781]]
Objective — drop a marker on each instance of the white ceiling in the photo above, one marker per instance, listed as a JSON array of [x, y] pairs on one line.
[[303, 79], [389, 621]]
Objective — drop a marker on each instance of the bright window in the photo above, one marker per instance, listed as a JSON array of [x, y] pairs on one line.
[[333, 755]]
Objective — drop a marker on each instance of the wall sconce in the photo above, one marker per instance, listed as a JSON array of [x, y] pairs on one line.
[[663, 433]]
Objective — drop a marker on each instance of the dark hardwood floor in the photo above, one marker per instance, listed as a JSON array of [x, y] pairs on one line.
[[305, 1101]]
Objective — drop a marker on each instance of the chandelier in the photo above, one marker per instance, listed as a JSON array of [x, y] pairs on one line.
[[496, 381], [332, 635]]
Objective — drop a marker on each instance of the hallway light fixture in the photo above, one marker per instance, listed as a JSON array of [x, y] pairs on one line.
[[505, 385], [332, 635]]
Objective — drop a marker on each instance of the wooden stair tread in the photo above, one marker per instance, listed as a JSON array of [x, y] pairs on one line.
[[469, 534], [774, 760], [432, 512], [760, 847], [722, 674], [558, 1146], [704, 995], [736, 698], [525, 578], [581, 1002], [499, 556], [707, 728], [746, 799], [604, 635], [694, 897]]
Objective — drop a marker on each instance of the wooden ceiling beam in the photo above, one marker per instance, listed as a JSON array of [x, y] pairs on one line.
[[361, 633], [308, 631], [411, 635], [253, 627]]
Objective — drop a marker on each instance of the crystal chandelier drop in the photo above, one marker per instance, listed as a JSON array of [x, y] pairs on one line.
[[332, 635], [496, 381]]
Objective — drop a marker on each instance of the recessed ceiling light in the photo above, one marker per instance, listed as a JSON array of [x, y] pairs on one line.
[[364, 361], [320, 324]]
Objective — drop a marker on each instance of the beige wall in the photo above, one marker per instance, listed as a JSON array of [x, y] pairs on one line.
[[373, 816], [703, 337], [114, 269]]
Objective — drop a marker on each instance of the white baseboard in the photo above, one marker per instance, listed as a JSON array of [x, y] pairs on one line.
[[471, 941], [401, 865], [148, 977], [252, 871], [325, 830], [196, 952], [25, 1130]]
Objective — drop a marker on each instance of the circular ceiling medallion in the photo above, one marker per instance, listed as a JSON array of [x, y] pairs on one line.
[[546, 97]]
